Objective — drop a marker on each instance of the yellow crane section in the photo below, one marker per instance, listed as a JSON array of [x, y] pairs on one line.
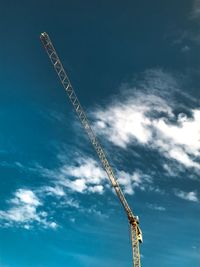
[[136, 233]]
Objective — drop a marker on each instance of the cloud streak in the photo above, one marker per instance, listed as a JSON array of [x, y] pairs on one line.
[[147, 116], [82, 176], [190, 196], [156, 207], [195, 13], [24, 212]]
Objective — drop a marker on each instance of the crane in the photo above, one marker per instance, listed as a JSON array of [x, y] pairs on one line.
[[136, 233]]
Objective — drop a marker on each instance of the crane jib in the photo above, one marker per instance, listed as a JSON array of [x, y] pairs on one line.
[[136, 233]]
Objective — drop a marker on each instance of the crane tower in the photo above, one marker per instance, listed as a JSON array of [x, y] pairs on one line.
[[136, 233]]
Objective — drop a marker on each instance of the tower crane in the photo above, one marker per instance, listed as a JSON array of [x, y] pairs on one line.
[[136, 233]]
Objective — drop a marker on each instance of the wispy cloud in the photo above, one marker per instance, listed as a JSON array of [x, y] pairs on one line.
[[24, 212], [125, 119], [85, 176], [147, 115], [130, 182], [156, 207], [190, 196], [185, 49], [189, 32], [195, 13], [56, 191], [82, 176]]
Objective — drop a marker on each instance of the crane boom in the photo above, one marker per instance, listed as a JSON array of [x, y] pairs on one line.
[[136, 233]]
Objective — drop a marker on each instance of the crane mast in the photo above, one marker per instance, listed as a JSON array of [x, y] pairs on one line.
[[136, 233]]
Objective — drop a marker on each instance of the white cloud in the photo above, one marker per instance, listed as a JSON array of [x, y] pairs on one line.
[[185, 133], [146, 116], [96, 189], [84, 176], [70, 202], [26, 197], [78, 185], [190, 196], [131, 181], [156, 207], [95, 212], [24, 211], [117, 124], [52, 191], [53, 225], [180, 155], [86, 169]]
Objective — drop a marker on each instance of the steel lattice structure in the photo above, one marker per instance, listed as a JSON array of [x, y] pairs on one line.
[[136, 233]]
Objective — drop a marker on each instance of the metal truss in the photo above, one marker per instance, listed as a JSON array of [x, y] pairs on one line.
[[136, 234]]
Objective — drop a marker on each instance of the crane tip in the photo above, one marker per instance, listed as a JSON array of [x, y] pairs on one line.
[[43, 34]]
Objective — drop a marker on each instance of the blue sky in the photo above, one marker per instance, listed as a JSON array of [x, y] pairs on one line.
[[135, 67]]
